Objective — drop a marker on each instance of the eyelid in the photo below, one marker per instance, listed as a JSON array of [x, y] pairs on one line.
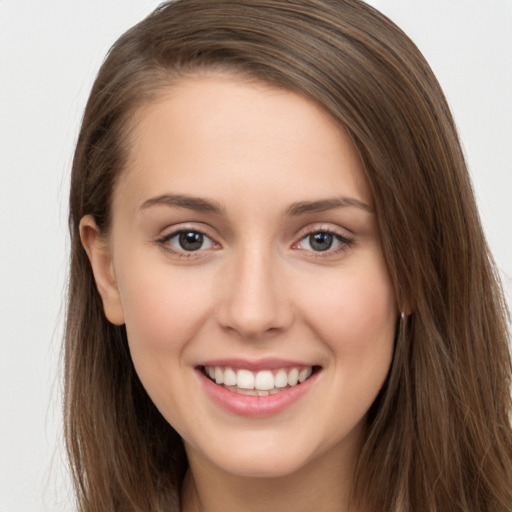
[[323, 227], [345, 240], [168, 234]]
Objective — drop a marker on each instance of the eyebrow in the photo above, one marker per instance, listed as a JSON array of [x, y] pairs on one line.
[[295, 209], [183, 201], [323, 205]]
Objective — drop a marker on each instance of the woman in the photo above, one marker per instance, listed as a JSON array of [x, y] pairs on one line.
[[280, 293]]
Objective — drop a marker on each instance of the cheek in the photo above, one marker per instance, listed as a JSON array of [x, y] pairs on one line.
[[356, 312], [358, 320], [163, 309]]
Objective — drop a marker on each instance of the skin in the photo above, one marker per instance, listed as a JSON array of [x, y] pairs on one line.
[[256, 288]]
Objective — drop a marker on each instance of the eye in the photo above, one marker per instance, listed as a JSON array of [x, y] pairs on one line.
[[322, 241], [187, 240]]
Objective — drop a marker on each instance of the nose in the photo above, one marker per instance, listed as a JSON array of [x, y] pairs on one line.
[[254, 302]]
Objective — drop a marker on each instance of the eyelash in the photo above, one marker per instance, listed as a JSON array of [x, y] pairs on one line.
[[182, 253], [344, 243]]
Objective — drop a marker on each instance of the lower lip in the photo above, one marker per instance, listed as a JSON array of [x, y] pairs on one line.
[[255, 406]]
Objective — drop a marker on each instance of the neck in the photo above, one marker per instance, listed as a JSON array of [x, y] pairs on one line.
[[324, 485]]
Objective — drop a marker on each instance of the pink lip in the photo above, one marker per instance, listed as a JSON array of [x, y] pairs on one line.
[[254, 406], [255, 365]]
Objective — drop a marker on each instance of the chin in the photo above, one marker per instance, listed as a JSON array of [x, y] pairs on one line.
[[274, 466], [263, 455]]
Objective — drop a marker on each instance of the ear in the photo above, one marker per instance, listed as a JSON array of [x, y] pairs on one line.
[[100, 257]]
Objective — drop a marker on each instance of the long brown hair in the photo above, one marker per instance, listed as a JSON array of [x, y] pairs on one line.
[[439, 436]]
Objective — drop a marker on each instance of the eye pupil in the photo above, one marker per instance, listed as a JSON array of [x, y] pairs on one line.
[[191, 240], [321, 241]]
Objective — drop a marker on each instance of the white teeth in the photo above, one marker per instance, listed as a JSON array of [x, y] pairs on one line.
[[264, 380], [229, 377], [260, 383], [219, 376], [304, 374], [281, 379], [244, 379], [249, 392], [293, 377]]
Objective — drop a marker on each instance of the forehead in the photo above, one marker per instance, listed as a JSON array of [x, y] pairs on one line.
[[206, 130]]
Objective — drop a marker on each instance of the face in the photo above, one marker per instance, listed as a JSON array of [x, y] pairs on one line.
[[244, 259]]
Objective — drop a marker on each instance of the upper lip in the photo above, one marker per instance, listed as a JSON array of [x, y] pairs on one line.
[[255, 364]]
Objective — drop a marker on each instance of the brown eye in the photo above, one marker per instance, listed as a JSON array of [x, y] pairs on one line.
[[190, 240]]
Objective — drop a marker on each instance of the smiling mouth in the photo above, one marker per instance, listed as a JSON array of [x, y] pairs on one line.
[[260, 383]]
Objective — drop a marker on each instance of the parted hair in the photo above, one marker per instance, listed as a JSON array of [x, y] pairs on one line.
[[438, 437]]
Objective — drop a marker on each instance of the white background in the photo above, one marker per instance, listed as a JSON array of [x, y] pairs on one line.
[[49, 53]]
